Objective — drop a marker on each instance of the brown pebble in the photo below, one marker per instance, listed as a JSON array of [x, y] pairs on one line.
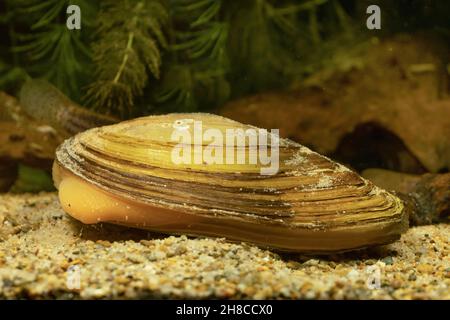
[[104, 243], [412, 277], [425, 268]]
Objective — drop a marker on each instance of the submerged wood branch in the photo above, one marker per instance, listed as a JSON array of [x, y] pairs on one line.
[[426, 197]]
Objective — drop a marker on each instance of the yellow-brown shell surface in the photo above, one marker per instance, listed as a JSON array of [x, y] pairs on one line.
[[311, 204]]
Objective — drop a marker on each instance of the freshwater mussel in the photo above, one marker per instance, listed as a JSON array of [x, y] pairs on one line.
[[126, 174]]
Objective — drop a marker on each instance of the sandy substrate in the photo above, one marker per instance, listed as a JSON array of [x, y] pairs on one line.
[[46, 254]]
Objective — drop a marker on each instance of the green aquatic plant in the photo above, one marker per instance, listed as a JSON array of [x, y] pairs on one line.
[[170, 54], [11, 76], [221, 49], [127, 49], [197, 61], [32, 180], [42, 46], [56, 46], [186, 55]]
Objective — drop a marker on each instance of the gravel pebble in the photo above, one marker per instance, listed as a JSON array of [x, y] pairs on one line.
[[46, 254]]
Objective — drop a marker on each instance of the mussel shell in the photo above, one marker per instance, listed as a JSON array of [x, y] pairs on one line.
[[312, 204]]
